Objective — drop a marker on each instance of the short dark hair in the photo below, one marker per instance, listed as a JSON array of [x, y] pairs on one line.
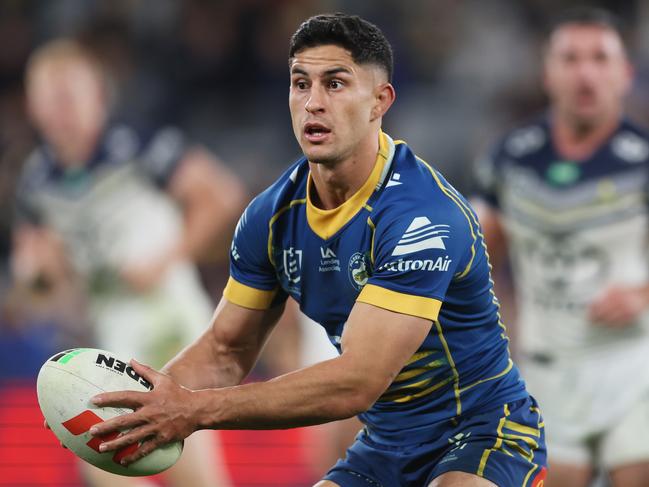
[[587, 16], [364, 40]]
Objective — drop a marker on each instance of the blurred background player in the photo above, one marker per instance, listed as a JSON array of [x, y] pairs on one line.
[[567, 196], [125, 215]]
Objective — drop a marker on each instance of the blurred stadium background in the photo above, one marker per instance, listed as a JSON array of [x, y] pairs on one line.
[[466, 70]]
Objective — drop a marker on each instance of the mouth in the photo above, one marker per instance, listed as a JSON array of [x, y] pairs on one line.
[[316, 132]]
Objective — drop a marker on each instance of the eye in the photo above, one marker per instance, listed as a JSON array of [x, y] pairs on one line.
[[335, 84], [300, 84]]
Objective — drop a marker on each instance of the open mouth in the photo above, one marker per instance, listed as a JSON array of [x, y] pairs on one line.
[[315, 132]]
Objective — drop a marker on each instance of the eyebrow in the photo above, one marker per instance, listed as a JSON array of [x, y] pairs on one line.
[[328, 72]]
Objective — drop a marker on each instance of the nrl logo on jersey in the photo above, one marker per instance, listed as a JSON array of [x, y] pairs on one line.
[[421, 234], [292, 260]]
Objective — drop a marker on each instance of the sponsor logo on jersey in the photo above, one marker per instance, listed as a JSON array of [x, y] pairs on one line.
[[394, 180], [234, 252], [359, 270], [439, 264], [292, 259], [329, 262], [421, 234]]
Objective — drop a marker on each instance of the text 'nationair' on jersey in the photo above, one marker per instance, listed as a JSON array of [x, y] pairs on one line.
[[406, 242]]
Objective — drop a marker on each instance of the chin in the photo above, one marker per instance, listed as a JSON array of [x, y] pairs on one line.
[[319, 155]]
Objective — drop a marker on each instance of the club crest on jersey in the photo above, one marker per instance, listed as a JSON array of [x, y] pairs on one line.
[[359, 270], [421, 234]]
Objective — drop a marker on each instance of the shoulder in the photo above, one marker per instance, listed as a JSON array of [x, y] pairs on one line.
[[417, 200], [289, 188], [630, 143], [37, 170]]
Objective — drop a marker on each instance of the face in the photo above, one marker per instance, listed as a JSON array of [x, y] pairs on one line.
[[66, 102], [587, 74], [336, 105]]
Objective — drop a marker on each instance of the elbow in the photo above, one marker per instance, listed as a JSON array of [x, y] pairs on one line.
[[365, 395]]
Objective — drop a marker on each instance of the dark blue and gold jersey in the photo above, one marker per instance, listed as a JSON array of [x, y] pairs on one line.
[[408, 242]]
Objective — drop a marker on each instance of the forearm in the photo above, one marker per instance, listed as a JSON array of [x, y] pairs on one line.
[[327, 391], [200, 366], [227, 351]]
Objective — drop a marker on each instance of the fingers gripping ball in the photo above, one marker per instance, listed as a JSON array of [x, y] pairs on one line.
[[67, 382]]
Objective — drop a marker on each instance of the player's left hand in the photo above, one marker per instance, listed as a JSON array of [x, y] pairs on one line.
[[161, 416], [619, 306]]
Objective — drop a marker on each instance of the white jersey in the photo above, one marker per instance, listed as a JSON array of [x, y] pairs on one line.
[[112, 213], [574, 229]]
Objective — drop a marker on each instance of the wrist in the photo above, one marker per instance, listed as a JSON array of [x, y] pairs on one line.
[[205, 410]]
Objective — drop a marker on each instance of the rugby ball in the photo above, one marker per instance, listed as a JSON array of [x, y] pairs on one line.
[[65, 385]]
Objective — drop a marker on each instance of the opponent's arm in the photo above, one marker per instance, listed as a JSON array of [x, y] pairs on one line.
[[493, 231], [211, 198], [376, 344]]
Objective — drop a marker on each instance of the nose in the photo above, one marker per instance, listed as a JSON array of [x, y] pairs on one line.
[[315, 101]]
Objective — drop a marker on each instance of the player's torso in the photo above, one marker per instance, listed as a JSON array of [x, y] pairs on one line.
[[326, 275], [108, 214], [575, 228]]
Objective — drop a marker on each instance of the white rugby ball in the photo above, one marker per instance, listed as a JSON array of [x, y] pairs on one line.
[[67, 382]]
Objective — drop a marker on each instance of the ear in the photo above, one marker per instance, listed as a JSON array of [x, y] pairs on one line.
[[384, 98]]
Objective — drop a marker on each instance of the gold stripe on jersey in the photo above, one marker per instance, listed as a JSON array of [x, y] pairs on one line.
[[326, 223], [451, 362], [272, 221], [418, 356], [453, 197], [406, 304], [409, 374], [509, 367], [370, 223], [248, 297], [397, 395]]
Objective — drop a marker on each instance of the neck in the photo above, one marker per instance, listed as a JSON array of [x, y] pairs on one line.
[[334, 183], [577, 140]]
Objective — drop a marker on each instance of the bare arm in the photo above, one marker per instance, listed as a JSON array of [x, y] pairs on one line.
[[376, 345], [493, 232], [211, 198], [227, 351]]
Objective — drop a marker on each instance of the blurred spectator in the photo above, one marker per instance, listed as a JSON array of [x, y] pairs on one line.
[[125, 213]]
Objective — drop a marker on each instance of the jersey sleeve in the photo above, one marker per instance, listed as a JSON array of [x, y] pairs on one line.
[[253, 282], [162, 153], [417, 256]]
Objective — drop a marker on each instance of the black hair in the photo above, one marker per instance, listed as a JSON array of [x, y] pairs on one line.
[[586, 15], [364, 40]]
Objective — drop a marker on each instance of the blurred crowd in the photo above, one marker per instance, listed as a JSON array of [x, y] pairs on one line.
[[465, 72]]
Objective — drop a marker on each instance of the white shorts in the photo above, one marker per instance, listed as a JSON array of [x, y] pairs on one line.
[[596, 411]]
